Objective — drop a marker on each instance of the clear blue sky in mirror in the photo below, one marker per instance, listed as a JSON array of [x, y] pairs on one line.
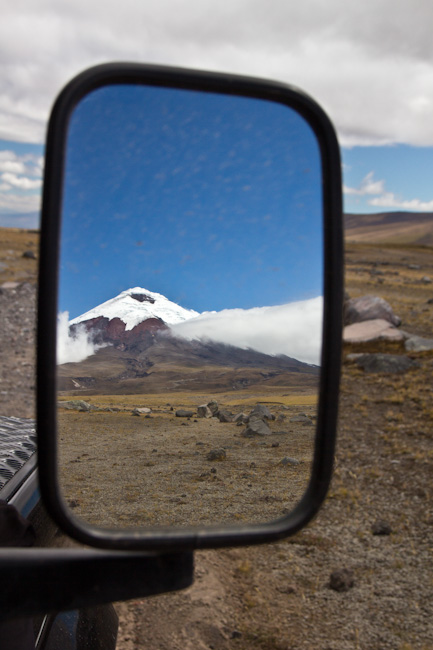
[[214, 201]]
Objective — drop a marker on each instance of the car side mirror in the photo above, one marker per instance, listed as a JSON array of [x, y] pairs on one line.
[[190, 309]]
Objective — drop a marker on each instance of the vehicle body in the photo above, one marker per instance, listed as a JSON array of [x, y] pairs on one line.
[[28, 524]]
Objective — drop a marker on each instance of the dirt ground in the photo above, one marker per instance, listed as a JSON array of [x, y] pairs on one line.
[[376, 523], [122, 471]]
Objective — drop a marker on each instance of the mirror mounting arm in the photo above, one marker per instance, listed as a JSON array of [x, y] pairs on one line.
[[40, 581]]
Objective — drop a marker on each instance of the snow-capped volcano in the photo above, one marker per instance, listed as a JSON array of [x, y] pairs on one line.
[[136, 305]]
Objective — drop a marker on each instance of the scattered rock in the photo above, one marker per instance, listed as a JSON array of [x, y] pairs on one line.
[[135, 412], [275, 444], [262, 412], [203, 411], [392, 363], [213, 407], [341, 580], [77, 405], [240, 418], [289, 461], [256, 427], [418, 344], [301, 418], [287, 589], [357, 310], [378, 329], [217, 454], [381, 527], [183, 413], [426, 279], [29, 255], [10, 285], [143, 409], [414, 267], [224, 416]]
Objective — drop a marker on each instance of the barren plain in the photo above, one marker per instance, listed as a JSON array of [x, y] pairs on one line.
[[375, 527]]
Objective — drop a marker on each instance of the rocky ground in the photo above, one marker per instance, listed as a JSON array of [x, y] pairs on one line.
[[374, 531]]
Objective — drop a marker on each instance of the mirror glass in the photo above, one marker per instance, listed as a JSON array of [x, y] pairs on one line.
[[190, 308]]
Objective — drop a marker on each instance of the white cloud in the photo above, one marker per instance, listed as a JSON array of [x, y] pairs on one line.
[[294, 329], [390, 200], [75, 347], [367, 186], [19, 203], [20, 178], [384, 199], [23, 182], [351, 56]]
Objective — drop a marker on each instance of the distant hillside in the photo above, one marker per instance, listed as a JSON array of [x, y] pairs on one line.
[[390, 228]]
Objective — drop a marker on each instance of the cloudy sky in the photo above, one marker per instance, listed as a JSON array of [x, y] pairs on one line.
[[370, 64]]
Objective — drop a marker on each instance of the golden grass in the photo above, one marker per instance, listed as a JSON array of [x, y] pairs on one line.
[[13, 243], [194, 399]]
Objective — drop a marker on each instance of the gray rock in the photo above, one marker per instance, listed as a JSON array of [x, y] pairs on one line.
[[10, 285], [224, 416], [135, 412], [183, 413], [203, 411], [357, 310], [256, 427], [371, 330], [217, 454], [392, 363], [301, 418], [262, 412], [414, 267], [289, 461], [341, 580], [381, 527], [31, 255], [144, 409], [418, 344], [213, 407], [77, 405], [426, 279], [240, 418]]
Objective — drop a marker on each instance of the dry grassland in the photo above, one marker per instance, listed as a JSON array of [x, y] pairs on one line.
[[118, 470]]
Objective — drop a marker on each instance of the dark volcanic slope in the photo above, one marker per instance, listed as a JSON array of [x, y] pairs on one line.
[[167, 363]]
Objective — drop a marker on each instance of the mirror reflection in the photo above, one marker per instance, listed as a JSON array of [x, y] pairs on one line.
[[190, 308]]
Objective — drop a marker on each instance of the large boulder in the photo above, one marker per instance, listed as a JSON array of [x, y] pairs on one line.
[[203, 411], [256, 427], [418, 344], [367, 331], [224, 416], [391, 363], [213, 407], [357, 310], [184, 413], [262, 412]]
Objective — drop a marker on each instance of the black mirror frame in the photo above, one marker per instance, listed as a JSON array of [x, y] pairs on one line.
[[170, 539]]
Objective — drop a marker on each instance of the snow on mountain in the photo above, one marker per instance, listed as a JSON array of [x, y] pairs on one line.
[[136, 305]]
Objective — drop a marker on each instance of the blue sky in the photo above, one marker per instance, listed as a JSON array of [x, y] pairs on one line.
[[385, 178], [388, 178], [212, 201]]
